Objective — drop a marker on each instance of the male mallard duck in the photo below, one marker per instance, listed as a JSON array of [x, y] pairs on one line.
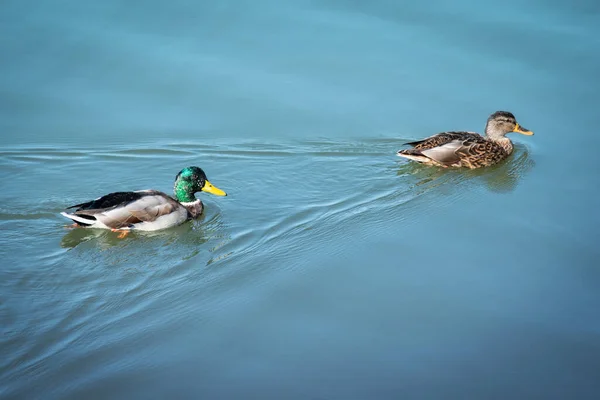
[[468, 149], [146, 210]]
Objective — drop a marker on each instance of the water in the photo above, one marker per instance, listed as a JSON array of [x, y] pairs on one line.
[[333, 269]]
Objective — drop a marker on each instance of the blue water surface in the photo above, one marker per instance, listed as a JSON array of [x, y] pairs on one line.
[[333, 269]]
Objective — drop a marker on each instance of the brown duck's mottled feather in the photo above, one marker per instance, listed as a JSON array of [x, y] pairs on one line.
[[456, 149], [443, 138]]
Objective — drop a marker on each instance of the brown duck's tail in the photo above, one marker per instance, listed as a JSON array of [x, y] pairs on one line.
[[414, 155]]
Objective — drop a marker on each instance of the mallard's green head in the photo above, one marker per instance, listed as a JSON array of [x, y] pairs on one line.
[[191, 180], [502, 122]]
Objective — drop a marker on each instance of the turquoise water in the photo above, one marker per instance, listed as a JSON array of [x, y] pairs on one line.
[[333, 269]]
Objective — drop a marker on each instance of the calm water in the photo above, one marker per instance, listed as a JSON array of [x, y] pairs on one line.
[[334, 269]]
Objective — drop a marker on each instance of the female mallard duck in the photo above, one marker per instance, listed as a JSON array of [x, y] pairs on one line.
[[468, 149], [146, 210]]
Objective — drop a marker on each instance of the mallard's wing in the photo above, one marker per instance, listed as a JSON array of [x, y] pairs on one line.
[[147, 210], [111, 200]]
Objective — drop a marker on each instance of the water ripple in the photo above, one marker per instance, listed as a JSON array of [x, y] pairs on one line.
[[289, 196]]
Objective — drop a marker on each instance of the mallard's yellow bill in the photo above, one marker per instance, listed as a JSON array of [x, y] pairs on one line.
[[210, 188], [521, 130]]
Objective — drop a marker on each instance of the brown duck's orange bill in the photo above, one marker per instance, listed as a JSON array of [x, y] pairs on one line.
[[210, 188], [523, 131]]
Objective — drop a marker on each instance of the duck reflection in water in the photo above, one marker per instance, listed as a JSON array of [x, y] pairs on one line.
[[503, 177]]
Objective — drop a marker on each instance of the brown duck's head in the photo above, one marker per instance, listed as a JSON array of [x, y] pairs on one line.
[[502, 122]]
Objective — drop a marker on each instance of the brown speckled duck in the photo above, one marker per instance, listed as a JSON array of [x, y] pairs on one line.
[[468, 149]]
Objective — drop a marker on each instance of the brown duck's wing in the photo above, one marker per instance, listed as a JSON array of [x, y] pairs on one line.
[[471, 152], [456, 151], [441, 139]]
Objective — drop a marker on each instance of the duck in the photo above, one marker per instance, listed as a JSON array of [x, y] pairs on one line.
[[468, 149], [146, 210]]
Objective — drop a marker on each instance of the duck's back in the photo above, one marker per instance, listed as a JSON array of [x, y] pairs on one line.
[[456, 149], [443, 138], [144, 210]]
